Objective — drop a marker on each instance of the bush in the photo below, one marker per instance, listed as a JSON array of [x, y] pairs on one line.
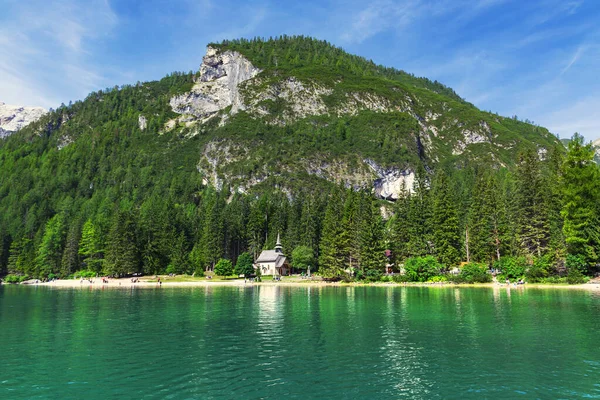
[[512, 267], [422, 269], [575, 277], [373, 275], [474, 273], [400, 278], [244, 265], [540, 269], [224, 267], [438, 278], [576, 261], [84, 274], [15, 278]]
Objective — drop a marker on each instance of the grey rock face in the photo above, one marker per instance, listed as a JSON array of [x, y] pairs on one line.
[[13, 118], [217, 88]]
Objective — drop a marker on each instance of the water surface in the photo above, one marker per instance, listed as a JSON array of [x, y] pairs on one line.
[[298, 342]]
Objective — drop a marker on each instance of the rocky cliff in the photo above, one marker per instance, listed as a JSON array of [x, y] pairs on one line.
[[420, 125], [13, 118]]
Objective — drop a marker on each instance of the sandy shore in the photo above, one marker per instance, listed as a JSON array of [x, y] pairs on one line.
[[166, 282]]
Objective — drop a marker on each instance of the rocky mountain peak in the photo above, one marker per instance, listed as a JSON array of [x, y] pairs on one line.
[[13, 118]]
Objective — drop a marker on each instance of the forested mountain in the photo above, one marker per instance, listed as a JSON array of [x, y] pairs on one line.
[[292, 136]]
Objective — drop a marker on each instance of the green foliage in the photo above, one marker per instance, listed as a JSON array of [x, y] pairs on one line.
[[474, 273], [224, 267], [122, 256], [512, 267], [540, 269], [244, 265], [576, 262], [15, 278], [581, 201], [575, 277], [422, 269], [146, 207], [303, 257], [85, 273]]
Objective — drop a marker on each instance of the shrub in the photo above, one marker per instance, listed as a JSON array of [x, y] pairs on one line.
[[224, 267], [422, 269], [576, 261], [540, 269], [244, 265], [84, 274], [15, 278], [373, 275], [575, 277], [438, 278], [512, 267], [474, 273], [400, 278]]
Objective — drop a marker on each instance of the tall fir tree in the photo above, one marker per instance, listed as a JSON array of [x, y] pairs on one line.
[[531, 196], [122, 255], [371, 236], [49, 253], [446, 229], [581, 201], [331, 258], [71, 261], [91, 248]]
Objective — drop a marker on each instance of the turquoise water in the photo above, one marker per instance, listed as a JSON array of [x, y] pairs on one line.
[[271, 342]]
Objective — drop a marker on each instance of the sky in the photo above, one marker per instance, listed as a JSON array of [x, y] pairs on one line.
[[537, 59]]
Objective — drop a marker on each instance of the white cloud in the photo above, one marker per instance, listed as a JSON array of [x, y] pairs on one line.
[[41, 42]]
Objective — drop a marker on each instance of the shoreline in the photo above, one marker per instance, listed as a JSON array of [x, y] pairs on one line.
[[145, 283]]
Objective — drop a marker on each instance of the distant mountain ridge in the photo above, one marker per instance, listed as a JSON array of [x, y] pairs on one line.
[[13, 118]]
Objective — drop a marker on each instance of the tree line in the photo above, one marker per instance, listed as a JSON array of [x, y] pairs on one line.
[[543, 217]]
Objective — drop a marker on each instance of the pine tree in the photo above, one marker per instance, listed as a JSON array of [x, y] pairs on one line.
[[49, 252], [419, 217], [179, 262], [331, 259], [122, 255], [349, 239], [446, 229], [533, 224], [70, 260], [212, 239], [90, 247], [399, 226], [371, 240], [581, 201]]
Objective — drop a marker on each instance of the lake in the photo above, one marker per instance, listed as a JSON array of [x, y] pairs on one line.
[[298, 342]]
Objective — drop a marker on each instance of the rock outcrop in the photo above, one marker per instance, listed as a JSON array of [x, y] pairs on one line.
[[13, 118], [217, 88]]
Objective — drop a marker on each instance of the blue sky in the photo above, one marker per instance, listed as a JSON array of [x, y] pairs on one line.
[[537, 59]]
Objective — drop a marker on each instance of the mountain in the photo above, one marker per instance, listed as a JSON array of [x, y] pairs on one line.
[[13, 118], [291, 110], [267, 137]]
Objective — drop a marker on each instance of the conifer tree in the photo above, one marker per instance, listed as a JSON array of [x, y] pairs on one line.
[[90, 247], [446, 229], [531, 196], [331, 258], [49, 253], [419, 217], [581, 201], [70, 259], [371, 238], [399, 226], [122, 256]]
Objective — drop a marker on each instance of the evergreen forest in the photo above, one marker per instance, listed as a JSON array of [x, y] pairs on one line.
[[86, 190]]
